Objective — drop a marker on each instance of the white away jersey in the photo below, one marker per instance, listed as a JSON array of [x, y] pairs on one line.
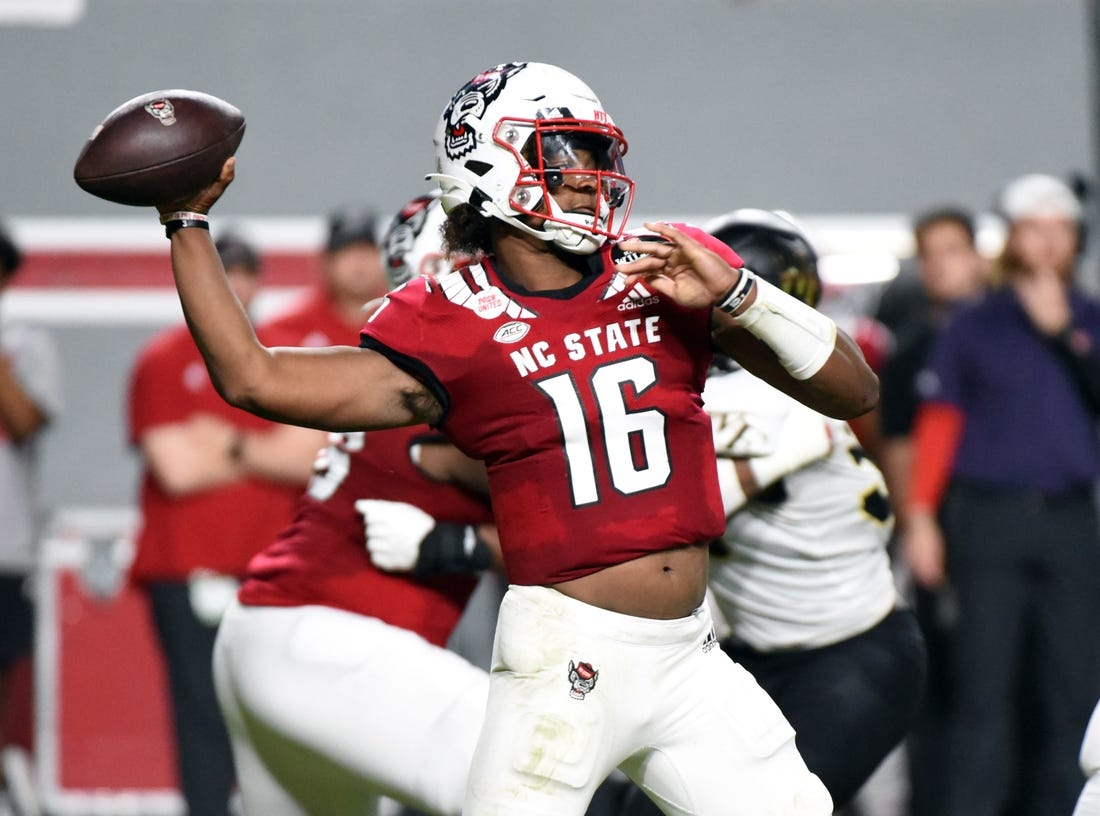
[[807, 564]]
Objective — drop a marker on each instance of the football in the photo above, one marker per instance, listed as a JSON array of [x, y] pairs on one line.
[[159, 148]]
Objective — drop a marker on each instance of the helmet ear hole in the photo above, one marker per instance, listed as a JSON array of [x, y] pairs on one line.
[[478, 168]]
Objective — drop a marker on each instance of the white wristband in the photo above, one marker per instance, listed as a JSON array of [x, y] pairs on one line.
[[801, 336]]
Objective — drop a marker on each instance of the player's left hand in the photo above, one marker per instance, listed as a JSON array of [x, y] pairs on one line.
[[679, 267], [395, 531]]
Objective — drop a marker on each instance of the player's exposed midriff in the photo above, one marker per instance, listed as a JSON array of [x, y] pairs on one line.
[[663, 585]]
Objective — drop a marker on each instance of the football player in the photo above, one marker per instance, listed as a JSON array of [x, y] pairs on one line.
[[332, 675], [802, 574], [572, 363]]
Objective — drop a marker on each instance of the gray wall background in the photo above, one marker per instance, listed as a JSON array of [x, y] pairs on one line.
[[815, 106], [847, 106]]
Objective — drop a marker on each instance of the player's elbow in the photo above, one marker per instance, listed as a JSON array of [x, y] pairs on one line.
[[866, 395], [846, 399], [244, 381], [240, 393], [240, 389], [859, 398]]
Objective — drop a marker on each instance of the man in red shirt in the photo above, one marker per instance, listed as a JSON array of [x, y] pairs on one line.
[[353, 273], [217, 485]]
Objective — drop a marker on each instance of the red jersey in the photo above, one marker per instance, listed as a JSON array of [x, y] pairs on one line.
[[217, 529], [322, 558], [310, 320], [583, 402]]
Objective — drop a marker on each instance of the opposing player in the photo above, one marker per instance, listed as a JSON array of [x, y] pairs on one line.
[[572, 364], [332, 675], [802, 574]]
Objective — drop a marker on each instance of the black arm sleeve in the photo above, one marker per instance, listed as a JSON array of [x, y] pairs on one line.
[[452, 548]]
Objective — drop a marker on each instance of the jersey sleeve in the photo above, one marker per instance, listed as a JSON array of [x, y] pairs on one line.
[[407, 330]]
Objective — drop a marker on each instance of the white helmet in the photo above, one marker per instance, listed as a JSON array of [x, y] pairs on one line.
[[413, 243], [506, 139]]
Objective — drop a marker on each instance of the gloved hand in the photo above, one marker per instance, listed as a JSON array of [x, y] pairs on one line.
[[403, 538], [394, 533]]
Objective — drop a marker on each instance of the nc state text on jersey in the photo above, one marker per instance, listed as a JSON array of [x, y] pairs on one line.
[[596, 341]]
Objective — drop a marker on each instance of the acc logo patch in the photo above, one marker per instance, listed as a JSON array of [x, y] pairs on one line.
[[511, 332]]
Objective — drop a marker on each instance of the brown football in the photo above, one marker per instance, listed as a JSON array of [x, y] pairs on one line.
[[159, 148]]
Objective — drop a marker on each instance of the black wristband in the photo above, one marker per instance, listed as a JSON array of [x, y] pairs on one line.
[[738, 293], [452, 548], [175, 225]]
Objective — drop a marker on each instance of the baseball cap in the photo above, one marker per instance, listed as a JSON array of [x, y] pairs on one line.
[[351, 226], [1037, 194], [235, 251]]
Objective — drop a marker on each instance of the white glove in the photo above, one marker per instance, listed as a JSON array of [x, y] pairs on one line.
[[736, 438], [394, 532]]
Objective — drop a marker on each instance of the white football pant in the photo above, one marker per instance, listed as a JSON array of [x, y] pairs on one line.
[[328, 711], [576, 691]]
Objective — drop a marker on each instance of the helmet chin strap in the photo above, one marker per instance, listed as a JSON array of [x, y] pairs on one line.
[[575, 236], [572, 233]]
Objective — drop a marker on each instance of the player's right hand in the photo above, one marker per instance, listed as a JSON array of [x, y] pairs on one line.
[[394, 532], [204, 199]]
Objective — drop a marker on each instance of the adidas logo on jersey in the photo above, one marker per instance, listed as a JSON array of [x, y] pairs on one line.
[[638, 297]]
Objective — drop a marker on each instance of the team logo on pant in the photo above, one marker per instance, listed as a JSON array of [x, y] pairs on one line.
[[583, 678]]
